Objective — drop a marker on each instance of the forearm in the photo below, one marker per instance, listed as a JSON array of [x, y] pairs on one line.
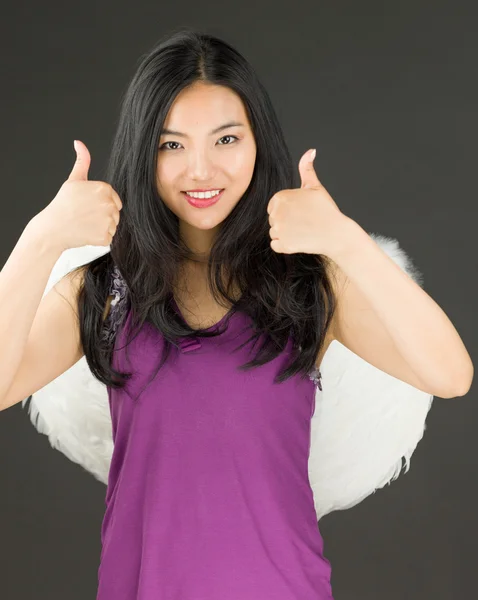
[[23, 280], [419, 328]]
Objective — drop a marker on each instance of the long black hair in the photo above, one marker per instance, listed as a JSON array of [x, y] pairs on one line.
[[283, 294]]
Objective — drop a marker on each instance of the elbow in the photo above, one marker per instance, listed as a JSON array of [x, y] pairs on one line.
[[460, 385]]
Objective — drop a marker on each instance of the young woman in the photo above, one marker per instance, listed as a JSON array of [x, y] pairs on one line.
[[208, 321]]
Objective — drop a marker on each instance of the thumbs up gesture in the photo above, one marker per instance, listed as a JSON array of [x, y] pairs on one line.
[[306, 219], [83, 212]]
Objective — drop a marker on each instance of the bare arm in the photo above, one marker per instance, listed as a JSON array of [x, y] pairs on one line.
[[387, 319], [23, 280]]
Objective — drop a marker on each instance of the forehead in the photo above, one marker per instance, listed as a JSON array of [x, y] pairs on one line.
[[200, 107]]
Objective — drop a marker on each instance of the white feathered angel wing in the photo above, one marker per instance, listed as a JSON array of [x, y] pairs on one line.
[[364, 421]]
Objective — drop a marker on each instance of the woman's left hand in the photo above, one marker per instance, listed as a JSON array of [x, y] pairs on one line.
[[307, 219]]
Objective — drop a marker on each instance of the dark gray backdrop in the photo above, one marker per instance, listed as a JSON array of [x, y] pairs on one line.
[[387, 92]]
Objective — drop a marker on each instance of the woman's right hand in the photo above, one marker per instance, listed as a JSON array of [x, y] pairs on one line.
[[83, 212]]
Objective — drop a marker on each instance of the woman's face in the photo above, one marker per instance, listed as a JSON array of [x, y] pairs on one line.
[[195, 158]]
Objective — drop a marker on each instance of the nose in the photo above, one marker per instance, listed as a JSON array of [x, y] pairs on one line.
[[200, 167]]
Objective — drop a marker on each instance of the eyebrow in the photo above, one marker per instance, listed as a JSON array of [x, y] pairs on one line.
[[217, 130]]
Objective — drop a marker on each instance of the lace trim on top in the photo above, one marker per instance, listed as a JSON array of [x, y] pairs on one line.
[[118, 309], [316, 376], [118, 306]]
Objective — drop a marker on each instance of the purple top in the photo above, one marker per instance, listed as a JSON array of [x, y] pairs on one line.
[[208, 494]]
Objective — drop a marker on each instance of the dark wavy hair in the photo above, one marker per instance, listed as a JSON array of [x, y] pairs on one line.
[[283, 294]]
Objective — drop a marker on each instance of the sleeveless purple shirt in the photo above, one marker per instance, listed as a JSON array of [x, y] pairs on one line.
[[208, 493]]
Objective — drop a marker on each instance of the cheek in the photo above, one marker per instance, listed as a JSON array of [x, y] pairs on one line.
[[164, 176], [242, 165]]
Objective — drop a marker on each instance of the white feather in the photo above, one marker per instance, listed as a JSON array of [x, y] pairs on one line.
[[365, 421], [73, 410]]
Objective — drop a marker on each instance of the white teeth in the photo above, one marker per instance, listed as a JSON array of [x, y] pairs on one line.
[[203, 194]]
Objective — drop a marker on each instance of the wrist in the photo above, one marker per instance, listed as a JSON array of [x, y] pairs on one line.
[[352, 237], [38, 234]]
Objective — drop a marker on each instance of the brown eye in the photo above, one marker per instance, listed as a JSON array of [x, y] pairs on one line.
[[228, 136], [165, 143], [166, 147]]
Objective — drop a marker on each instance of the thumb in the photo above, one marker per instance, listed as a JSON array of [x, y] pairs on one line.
[[82, 164], [308, 176]]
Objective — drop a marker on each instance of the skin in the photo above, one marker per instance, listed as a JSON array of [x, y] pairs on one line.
[[205, 160]]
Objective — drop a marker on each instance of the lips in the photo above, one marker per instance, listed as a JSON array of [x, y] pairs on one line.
[[203, 202]]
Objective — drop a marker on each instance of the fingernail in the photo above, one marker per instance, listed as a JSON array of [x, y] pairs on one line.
[[312, 155]]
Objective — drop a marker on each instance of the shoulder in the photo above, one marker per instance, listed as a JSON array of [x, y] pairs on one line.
[[337, 280], [75, 279], [72, 282]]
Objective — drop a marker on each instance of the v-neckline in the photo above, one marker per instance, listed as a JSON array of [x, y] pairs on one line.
[[214, 326]]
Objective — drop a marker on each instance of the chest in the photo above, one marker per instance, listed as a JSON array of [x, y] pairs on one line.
[[195, 300], [200, 310], [203, 311]]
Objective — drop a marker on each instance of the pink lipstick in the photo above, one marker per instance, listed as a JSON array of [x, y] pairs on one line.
[[202, 202]]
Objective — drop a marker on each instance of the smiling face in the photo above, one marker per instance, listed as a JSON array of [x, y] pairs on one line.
[[204, 157]]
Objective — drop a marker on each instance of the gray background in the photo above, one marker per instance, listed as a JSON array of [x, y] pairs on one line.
[[387, 92]]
